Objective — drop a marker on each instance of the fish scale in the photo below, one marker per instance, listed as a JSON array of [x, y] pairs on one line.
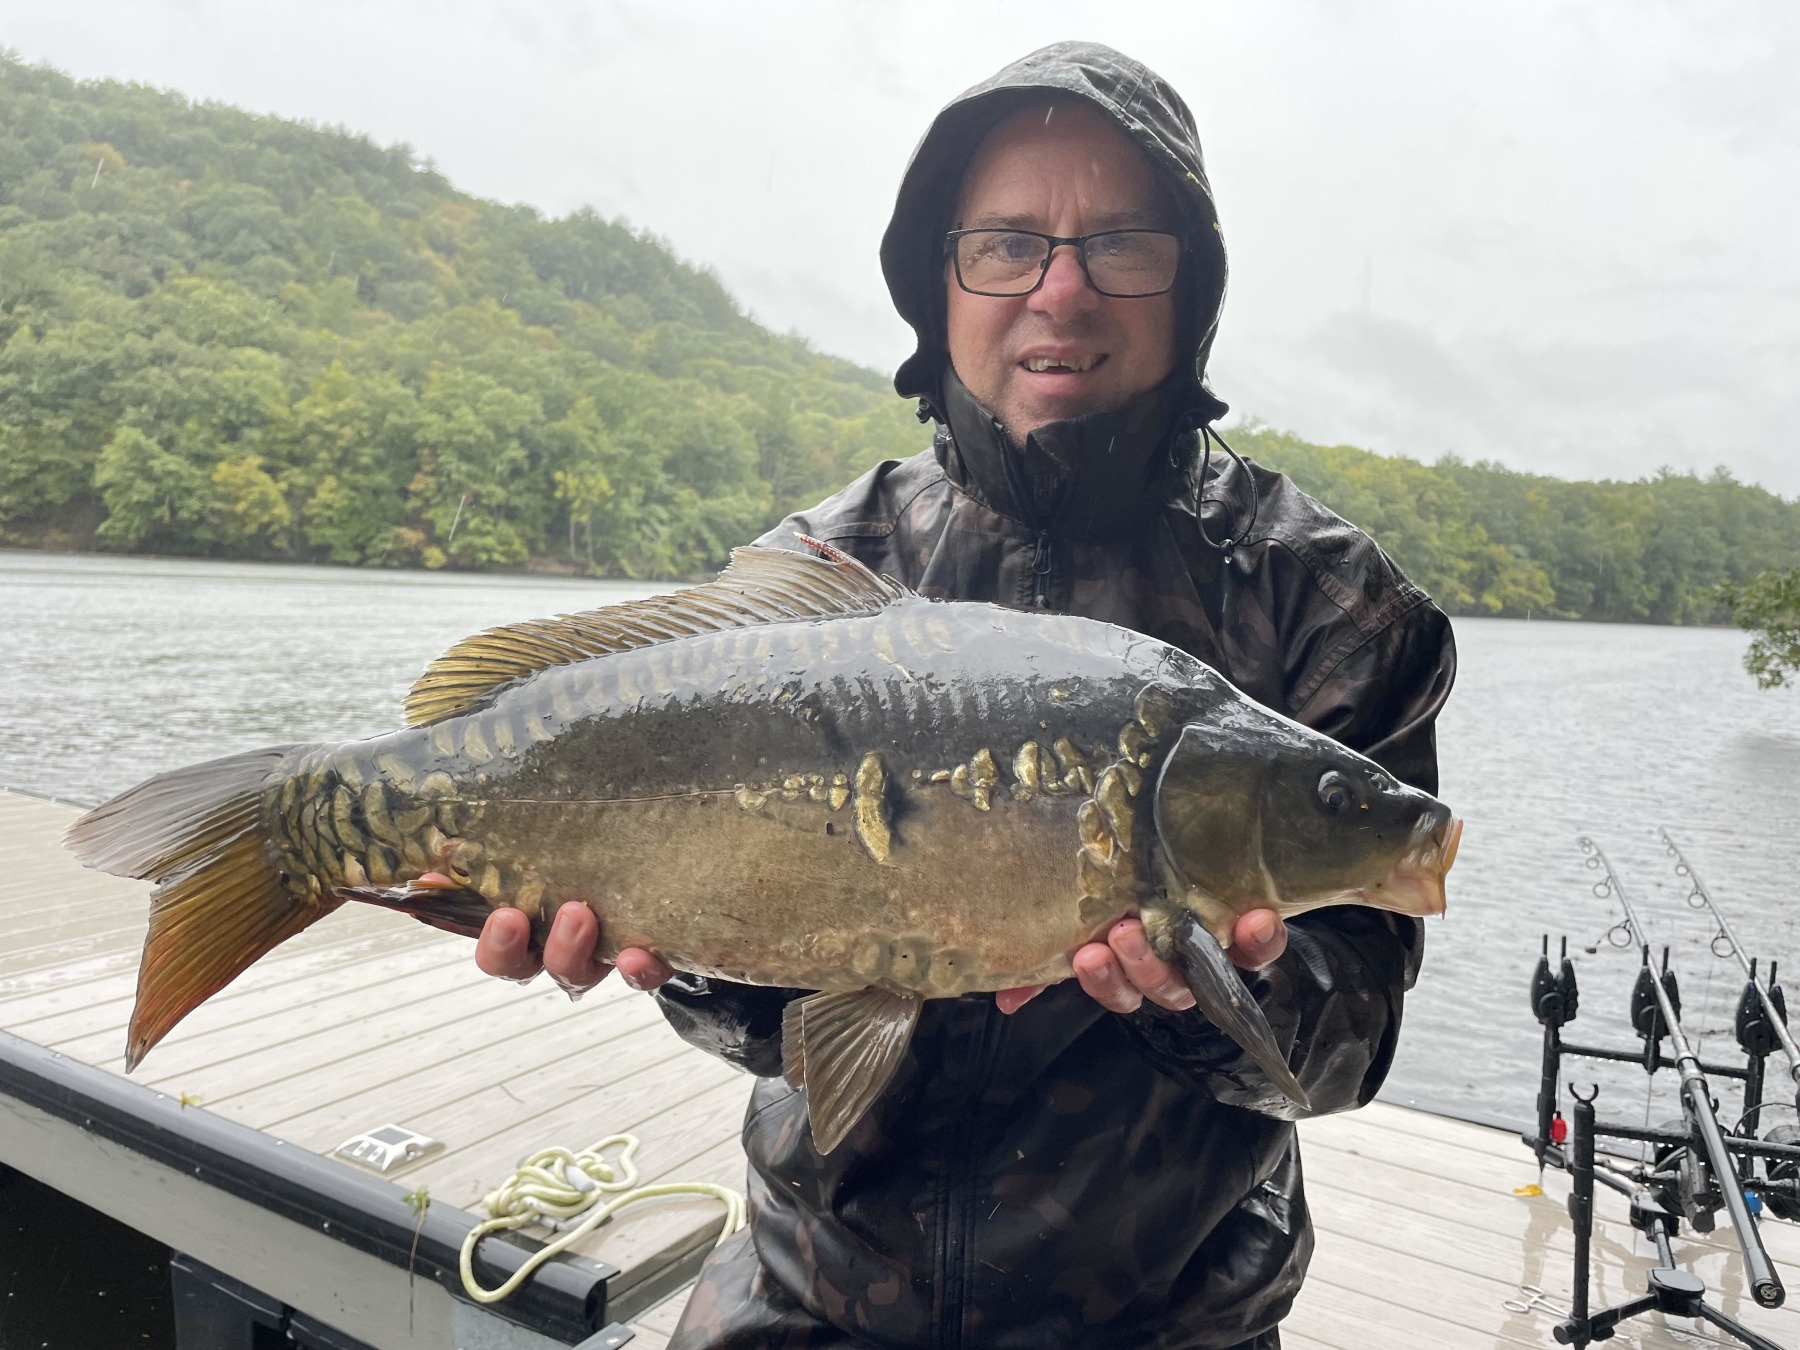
[[797, 775], [766, 722]]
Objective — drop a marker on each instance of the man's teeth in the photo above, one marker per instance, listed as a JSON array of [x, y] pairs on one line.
[[1077, 363]]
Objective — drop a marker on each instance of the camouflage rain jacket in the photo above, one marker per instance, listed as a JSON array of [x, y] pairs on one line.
[[1068, 1176]]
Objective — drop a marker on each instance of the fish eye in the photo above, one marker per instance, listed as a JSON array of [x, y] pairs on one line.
[[1335, 792]]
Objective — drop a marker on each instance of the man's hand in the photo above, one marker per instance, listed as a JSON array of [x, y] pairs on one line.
[[505, 950], [1122, 972]]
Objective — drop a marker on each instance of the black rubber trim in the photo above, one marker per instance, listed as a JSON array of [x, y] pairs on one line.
[[565, 1299]]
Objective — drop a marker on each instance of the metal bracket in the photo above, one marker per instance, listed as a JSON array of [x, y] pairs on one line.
[[390, 1146]]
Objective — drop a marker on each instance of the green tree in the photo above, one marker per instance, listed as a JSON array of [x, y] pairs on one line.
[[1769, 607], [153, 494], [251, 337]]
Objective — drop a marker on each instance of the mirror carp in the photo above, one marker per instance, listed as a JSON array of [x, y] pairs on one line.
[[799, 774]]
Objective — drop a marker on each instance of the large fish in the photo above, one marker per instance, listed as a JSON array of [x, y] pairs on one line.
[[799, 774]]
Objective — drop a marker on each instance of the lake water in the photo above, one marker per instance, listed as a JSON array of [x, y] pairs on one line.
[[114, 668]]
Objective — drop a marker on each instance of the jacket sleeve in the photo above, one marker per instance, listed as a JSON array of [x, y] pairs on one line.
[[1334, 998], [740, 1023]]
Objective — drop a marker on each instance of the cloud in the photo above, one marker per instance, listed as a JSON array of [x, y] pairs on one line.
[[1574, 409]]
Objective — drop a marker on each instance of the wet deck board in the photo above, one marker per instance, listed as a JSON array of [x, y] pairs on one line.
[[368, 1019]]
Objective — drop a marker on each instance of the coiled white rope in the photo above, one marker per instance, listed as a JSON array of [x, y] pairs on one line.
[[564, 1191]]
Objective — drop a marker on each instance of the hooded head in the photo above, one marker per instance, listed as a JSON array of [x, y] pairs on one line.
[[1144, 110]]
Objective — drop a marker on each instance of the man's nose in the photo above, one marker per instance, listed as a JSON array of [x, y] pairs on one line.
[[1066, 289]]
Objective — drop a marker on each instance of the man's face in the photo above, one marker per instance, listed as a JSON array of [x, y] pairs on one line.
[[1065, 349]]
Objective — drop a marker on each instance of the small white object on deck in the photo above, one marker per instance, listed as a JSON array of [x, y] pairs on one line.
[[388, 1147]]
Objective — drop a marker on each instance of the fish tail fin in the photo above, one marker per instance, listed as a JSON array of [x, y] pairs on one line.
[[221, 900]]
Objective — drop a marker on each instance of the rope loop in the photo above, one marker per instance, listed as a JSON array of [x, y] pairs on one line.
[[567, 1192]]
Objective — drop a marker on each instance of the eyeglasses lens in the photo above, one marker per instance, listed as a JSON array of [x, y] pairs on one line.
[[1119, 262]]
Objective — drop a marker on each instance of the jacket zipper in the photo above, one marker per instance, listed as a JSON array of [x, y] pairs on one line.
[[959, 1217], [1043, 561]]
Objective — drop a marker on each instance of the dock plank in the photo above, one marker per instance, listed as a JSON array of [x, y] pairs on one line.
[[433, 1070]]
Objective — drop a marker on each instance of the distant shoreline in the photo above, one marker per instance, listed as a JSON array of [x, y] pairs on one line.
[[550, 569], [528, 572]]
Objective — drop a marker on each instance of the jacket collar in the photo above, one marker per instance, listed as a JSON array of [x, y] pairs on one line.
[[1087, 478]]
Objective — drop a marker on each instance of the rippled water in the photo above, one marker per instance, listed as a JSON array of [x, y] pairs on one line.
[[114, 668]]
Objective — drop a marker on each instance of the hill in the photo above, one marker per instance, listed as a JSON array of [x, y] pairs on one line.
[[1488, 540], [231, 335]]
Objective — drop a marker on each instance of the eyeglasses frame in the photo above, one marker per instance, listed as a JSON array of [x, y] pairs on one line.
[[1079, 241]]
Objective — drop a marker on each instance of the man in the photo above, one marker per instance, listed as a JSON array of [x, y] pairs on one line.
[[1103, 1167]]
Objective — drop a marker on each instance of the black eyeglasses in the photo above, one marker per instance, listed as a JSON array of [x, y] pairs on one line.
[[1125, 264]]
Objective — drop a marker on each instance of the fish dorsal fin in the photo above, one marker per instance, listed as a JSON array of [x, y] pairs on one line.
[[843, 1049], [761, 585]]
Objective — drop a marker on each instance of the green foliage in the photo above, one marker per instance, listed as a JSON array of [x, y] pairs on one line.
[[1489, 540], [233, 335], [1768, 606]]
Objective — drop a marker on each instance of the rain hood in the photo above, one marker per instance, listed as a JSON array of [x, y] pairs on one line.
[[1146, 109]]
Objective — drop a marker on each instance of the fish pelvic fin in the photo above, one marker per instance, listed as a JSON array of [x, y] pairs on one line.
[[220, 900], [844, 1050], [1222, 995], [761, 585], [454, 909]]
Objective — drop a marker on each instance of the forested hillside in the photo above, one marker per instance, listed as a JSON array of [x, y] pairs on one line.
[[240, 336], [1488, 540]]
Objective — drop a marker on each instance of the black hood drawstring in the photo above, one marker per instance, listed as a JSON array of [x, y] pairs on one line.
[[1207, 435]]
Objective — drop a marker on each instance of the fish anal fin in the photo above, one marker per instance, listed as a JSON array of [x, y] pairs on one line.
[[455, 909], [761, 585], [793, 1045], [845, 1049], [1222, 995]]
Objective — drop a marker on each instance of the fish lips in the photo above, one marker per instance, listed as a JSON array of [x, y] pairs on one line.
[[1415, 885]]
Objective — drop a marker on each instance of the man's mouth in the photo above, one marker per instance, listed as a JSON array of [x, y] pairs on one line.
[[1061, 365]]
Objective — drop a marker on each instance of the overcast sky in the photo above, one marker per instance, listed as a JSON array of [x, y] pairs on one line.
[[1559, 236]]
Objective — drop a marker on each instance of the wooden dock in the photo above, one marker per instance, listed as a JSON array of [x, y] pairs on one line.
[[369, 1019]]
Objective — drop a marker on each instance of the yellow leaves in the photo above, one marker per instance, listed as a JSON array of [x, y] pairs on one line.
[[252, 504], [101, 155]]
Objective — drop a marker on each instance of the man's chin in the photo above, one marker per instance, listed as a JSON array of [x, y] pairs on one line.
[[1039, 409]]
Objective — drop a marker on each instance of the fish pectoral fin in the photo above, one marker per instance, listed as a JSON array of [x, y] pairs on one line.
[[1226, 1001], [843, 1049], [455, 909]]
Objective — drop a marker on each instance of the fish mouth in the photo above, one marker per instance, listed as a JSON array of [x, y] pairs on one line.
[[1416, 884]]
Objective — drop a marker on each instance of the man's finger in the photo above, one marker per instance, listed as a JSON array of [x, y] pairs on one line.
[[505, 947], [1152, 976], [1098, 970], [1259, 938], [1009, 1001], [569, 950], [643, 970]]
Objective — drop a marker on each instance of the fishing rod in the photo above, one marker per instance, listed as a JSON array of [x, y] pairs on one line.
[[1774, 1007], [1765, 1285], [1696, 1167]]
